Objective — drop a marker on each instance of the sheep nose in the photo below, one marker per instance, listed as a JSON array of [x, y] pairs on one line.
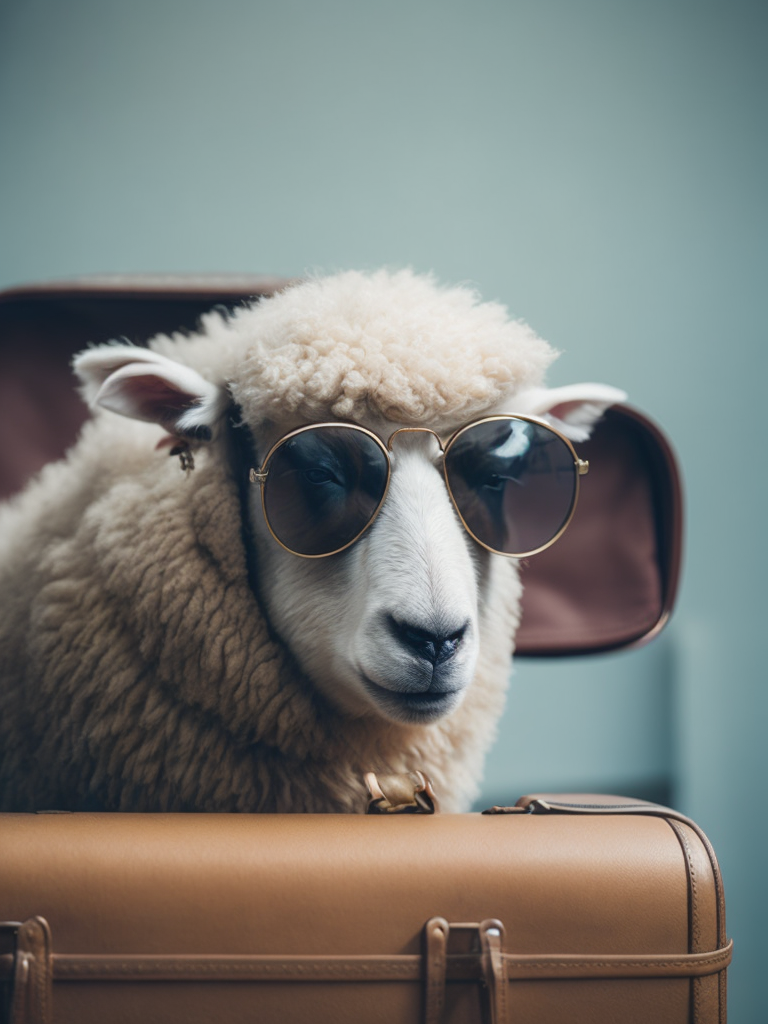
[[435, 648]]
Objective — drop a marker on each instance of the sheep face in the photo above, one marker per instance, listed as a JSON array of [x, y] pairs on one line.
[[391, 625]]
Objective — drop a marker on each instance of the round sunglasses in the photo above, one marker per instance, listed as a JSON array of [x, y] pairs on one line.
[[513, 481]]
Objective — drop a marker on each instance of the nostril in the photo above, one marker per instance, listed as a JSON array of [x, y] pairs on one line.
[[450, 644], [433, 647]]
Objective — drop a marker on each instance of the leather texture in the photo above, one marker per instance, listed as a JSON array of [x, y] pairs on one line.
[[625, 537], [562, 909]]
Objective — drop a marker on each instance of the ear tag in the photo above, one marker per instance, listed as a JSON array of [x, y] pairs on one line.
[[180, 448], [186, 458]]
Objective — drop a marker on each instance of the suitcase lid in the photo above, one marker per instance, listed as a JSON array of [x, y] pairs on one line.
[[317, 884], [610, 582]]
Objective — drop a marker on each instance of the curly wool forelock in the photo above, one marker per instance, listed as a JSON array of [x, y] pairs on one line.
[[394, 345]]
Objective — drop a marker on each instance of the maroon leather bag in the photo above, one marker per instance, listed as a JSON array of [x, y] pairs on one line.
[[608, 583]]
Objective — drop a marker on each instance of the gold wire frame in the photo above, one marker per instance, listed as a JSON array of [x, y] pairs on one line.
[[261, 478], [581, 467]]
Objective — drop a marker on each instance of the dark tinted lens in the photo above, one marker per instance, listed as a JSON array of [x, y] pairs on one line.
[[323, 488], [513, 482]]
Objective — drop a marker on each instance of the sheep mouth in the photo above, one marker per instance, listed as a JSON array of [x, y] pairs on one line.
[[415, 707]]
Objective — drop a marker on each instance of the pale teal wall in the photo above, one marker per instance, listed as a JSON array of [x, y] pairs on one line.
[[598, 165]]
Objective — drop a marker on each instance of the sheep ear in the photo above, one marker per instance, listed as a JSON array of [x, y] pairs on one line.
[[573, 409], [143, 385]]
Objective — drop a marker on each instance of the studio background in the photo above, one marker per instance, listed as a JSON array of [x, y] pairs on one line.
[[598, 166]]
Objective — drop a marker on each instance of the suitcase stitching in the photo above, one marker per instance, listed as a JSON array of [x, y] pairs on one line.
[[695, 942]]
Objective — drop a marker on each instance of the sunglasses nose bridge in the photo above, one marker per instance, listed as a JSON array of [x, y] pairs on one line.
[[415, 430]]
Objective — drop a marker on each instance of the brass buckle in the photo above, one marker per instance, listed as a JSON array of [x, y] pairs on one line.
[[409, 793]]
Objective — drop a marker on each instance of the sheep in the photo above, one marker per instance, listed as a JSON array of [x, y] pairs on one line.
[[162, 651]]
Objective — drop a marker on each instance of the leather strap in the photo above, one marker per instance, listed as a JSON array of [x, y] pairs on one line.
[[32, 975], [495, 987], [33, 967], [64, 967], [436, 933], [488, 935]]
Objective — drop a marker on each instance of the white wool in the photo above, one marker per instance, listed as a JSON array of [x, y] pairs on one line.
[[140, 668], [390, 345]]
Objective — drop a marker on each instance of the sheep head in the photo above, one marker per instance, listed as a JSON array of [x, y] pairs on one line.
[[392, 625]]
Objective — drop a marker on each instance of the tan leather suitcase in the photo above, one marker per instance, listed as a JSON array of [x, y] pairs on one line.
[[559, 909]]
